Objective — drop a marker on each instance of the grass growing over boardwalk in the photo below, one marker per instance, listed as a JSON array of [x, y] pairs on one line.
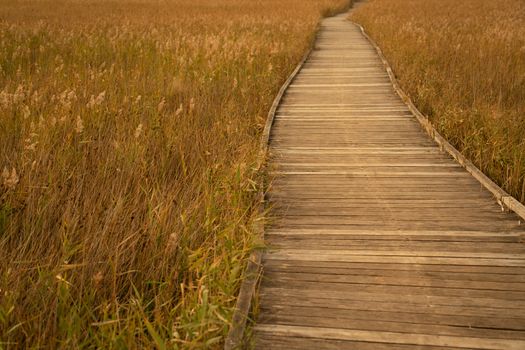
[[128, 138], [463, 64]]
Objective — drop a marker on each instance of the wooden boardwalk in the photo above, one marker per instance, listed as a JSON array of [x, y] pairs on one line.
[[380, 239]]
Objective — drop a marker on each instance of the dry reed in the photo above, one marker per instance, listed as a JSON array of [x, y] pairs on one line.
[[463, 64]]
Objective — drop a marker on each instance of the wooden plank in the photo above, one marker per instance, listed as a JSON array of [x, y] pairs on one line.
[[401, 316], [419, 275], [398, 253], [389, 224], [393, 173], [349, 194], [268, 341], [319, 243], [310, 86], [358, 149], [396, 289], [398, 259], [373, 232], [367, 296], [392, 181], [368, 165], [392, 337], [387, 265], [415, 280], [414, 236], [403, 306], [393, 214]]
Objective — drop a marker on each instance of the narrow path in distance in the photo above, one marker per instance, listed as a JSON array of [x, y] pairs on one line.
[[380, 239]]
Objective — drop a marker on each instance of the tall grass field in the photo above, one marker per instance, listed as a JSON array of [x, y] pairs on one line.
[[129, 132], [463, 65]]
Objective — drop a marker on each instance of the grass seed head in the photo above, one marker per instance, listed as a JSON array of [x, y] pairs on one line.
[[79, 125], [10, 178]]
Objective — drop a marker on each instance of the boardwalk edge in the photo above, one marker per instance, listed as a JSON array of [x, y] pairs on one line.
[[505, 200], [234, 339]]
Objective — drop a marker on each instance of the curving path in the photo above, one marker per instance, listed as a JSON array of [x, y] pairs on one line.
[[381, 240]]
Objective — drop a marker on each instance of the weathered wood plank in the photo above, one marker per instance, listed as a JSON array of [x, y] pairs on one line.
[[401, 316], [319, 243], [276, 342], [399, 337], [368, 296], [474, 270], [422, 275], [398, 280]]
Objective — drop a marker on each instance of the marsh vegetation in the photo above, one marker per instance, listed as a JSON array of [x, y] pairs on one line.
[[128, 138]]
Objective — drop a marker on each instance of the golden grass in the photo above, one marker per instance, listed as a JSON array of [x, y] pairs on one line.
[[463, 64], [128, 138]]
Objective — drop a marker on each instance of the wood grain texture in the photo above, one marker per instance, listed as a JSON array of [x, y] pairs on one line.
[[379, 238]]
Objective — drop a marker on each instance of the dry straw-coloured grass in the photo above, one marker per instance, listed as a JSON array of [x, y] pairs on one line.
[[463, 64], [128, 137]]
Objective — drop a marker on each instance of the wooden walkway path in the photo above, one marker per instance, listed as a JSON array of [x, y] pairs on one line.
[[381, 240]]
